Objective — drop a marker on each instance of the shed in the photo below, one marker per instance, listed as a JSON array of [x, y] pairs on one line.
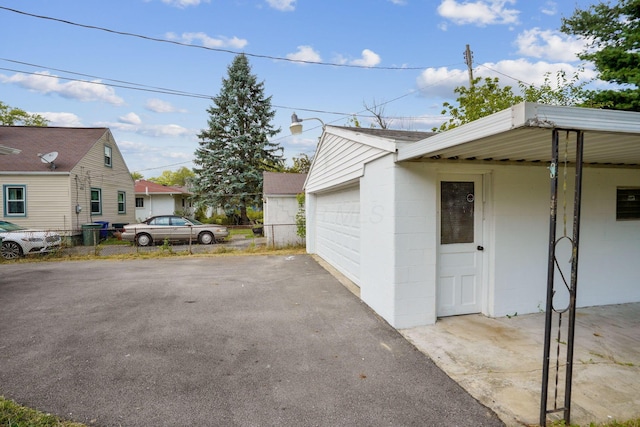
[[459, 222], [280, 207]]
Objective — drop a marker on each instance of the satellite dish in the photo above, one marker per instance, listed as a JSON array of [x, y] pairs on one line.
[[49, 158]]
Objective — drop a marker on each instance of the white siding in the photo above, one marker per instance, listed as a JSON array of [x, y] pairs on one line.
[[160, 204], [608, 248], [280, 221], [337, 230], [339, 161]]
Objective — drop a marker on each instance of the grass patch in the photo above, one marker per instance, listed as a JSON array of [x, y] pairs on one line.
[[14, 415], [246, 232]]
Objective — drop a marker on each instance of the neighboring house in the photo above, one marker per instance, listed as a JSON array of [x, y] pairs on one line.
[[157, 199], [280, 206], [63, 178], [459, 222]]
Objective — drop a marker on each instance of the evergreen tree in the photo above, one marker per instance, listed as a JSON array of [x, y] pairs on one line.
[[614, 34], [235, 149]]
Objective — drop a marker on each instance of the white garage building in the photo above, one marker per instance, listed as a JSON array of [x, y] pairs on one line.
[[458, 222]]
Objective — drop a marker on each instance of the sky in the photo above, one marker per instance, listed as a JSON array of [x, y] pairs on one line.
[[148, 69]]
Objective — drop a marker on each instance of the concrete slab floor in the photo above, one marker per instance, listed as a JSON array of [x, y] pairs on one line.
[[499, 362]]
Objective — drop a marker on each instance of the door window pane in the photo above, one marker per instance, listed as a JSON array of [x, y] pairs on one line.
[[457, 201]]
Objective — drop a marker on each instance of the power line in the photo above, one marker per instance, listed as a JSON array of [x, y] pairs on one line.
[[144, 88], [176, 92], [174, 42], [167, 91]]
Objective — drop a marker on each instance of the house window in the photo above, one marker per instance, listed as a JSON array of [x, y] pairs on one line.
[[122, 202], [108, 156], [15, 200], [628, 203], [96, 201], [139, 202]]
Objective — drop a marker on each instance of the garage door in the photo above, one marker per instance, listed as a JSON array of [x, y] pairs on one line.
[[338, 230]]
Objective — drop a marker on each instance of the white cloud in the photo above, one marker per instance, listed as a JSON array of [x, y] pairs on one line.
[[440, 82], [130, 118], [479, 12], [283, 5], [47, 83], [550, 8], [151, 158], [549, 44], [169, 131], [530, 72], [184, 3], [208, 41], [305, 53], [399, 2], [160, 106], [369, 59], [62, 119]]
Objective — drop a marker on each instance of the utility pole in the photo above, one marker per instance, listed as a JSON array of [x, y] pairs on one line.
[[468, 59]]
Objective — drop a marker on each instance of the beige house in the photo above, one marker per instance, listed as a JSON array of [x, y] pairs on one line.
[[63, 178]]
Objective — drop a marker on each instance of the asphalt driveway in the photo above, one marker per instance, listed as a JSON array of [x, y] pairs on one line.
[[212, 341]]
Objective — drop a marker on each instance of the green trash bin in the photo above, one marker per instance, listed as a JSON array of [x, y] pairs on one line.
[[90, 233]]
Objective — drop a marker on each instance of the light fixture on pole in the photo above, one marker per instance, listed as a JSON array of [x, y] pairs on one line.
[[296, 124]]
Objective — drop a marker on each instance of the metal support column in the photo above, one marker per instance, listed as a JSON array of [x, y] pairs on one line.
[[553, 174], [574, 275], [572, 287]]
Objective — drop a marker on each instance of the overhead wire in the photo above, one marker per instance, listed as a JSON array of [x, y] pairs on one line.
[[166, 91], [175, 42], [154, 89]]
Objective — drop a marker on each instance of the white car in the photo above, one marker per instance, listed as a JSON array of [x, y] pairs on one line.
[[18, 241]]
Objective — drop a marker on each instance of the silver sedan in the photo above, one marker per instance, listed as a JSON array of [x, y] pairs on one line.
[[173, 228]]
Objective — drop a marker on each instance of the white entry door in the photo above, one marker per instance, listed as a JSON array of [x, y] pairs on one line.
[[460, 247]]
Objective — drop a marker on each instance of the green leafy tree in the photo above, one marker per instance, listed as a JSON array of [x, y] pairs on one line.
[[235, 149], [301, 164], [180, 177], [482, 98], [487, 97], [566, 91], [10, 116], [301, 216], [136, 176], [613, 31]]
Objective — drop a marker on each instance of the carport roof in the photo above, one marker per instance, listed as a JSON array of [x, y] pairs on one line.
[[522, 133]]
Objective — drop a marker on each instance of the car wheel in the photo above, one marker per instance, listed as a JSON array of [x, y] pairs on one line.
[[11, 250], [144, 239], [206, 238]]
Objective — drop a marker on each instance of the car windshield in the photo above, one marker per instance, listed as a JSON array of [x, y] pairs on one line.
[[195, 222], [8, 226]]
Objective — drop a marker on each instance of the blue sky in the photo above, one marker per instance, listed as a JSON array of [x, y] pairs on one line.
[[405, 54]]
